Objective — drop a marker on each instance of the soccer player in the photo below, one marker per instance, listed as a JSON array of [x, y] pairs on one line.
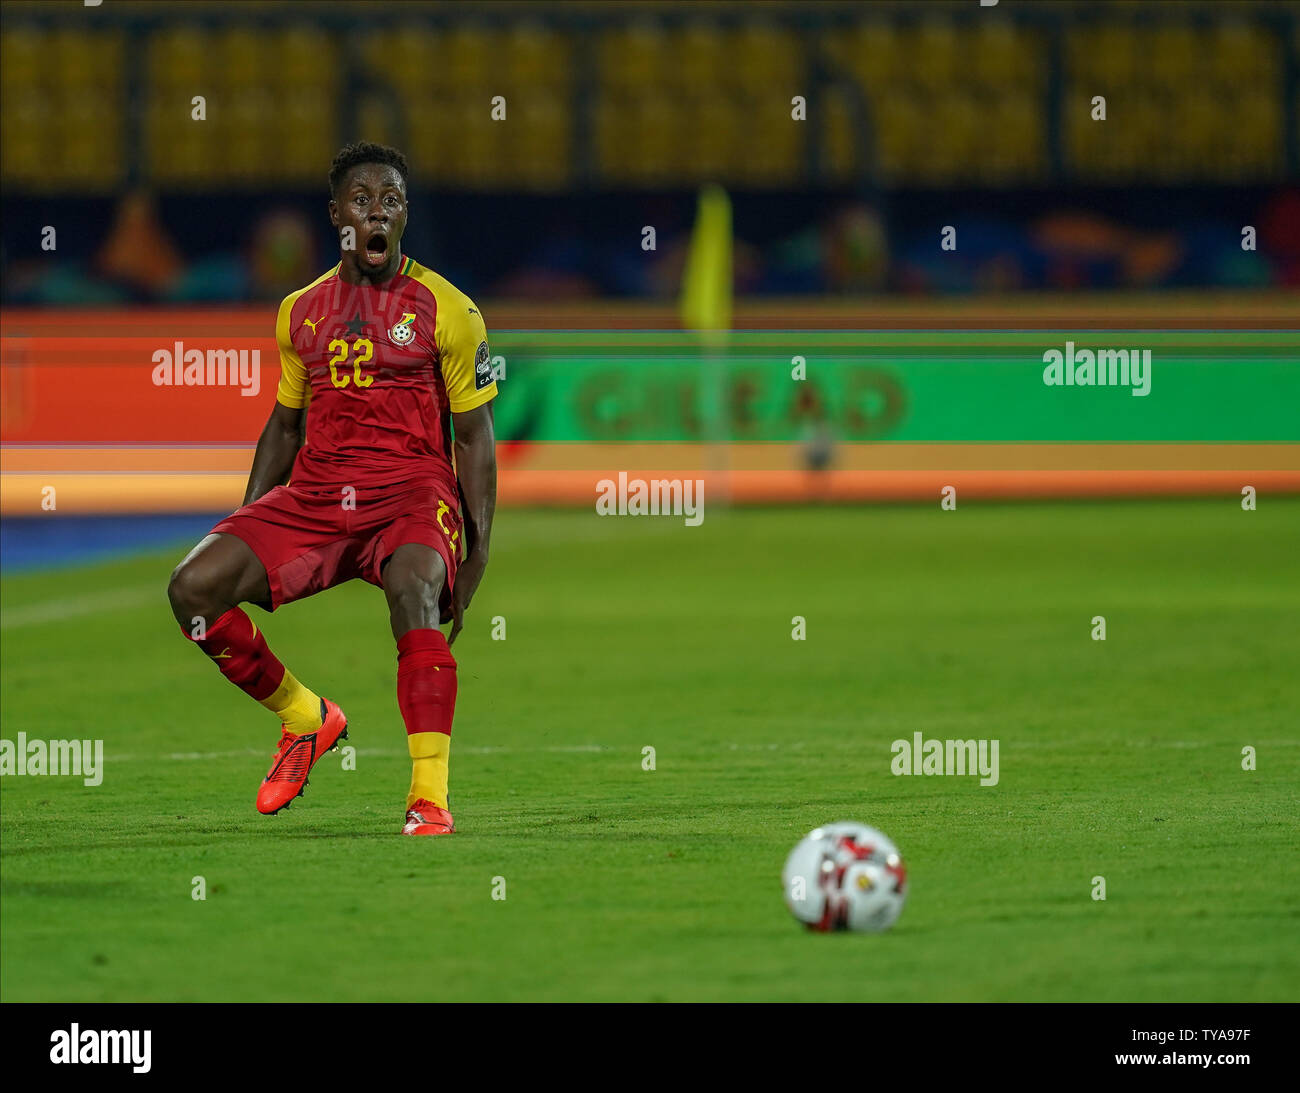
[[393, 362]]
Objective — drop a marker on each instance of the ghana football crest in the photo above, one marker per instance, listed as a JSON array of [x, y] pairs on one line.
[[402, 332]]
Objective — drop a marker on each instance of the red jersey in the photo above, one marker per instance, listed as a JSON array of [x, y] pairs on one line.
[[381, 369]]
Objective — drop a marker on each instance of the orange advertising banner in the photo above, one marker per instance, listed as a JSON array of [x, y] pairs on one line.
[[89, 377]]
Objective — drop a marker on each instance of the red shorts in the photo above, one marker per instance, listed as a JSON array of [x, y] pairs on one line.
[[310, 541]]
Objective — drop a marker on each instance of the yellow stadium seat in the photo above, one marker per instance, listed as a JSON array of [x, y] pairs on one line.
[[1170, 55], [931, 53]]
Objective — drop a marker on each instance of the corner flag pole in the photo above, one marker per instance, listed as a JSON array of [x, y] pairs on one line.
[[706, 309]]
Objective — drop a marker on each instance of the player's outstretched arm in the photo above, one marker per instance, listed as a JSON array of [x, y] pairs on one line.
[[277, 448], [476, 467]]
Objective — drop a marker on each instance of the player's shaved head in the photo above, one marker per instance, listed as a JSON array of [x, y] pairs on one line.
[[364, 152]]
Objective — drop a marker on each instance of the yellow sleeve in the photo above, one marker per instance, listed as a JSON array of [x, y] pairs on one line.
[[294, 390], [463, 353]]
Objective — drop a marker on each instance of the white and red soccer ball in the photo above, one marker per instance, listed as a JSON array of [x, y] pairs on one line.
[[845, 876]]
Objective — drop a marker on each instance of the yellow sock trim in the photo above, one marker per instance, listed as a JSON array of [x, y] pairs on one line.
[[295, 705], [430, 755]]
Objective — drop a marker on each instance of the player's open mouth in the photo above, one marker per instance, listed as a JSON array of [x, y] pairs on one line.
[[376, 249]]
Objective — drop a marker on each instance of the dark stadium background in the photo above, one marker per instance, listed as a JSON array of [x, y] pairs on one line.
[[919, 115]]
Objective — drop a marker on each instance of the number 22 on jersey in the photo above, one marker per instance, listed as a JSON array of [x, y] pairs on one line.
[[364, 350]]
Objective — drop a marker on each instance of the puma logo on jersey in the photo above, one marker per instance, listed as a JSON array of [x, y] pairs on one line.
[[225, 653], [308, 322], [472, 311]]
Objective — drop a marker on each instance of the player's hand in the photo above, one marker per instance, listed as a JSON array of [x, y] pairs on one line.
[[468, 575]]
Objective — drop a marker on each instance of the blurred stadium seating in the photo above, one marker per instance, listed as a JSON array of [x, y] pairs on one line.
[[607, 103], [640, 95]]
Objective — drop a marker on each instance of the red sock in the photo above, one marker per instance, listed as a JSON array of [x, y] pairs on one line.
[[426, 681], [237, 647]]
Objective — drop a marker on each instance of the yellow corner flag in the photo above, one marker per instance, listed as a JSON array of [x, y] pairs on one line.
[[706, 282]]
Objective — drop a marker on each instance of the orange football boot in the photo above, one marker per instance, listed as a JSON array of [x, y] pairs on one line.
[[295, 757], [426, 818]]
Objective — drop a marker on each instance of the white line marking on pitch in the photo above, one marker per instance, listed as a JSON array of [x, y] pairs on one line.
[[47, 611], [572, 749], [381, 753], [35, 614]]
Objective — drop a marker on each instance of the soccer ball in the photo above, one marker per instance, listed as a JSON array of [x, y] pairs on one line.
[[845, 876]]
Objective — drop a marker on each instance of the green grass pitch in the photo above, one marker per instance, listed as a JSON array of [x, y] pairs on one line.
[[1120, 759]]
